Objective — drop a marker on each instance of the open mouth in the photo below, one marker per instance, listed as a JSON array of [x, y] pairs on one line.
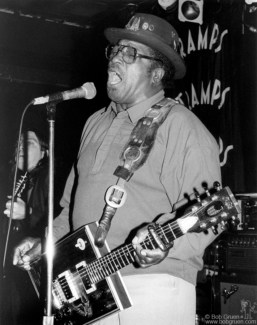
[[114, 78]]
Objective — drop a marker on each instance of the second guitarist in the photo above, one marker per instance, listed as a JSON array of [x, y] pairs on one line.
[[20, 304]]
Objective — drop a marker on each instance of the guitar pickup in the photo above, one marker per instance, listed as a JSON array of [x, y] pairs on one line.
[[81, 268], [64, 287]]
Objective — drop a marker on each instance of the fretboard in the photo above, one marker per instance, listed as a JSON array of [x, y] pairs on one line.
[[122, 257]]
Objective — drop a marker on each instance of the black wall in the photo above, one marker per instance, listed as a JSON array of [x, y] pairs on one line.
[[39, 57]]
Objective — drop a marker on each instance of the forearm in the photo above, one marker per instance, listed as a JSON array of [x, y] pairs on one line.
[[61, 225], [190, 245]]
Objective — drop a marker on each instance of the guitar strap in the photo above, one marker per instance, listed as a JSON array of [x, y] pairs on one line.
[[134, 155]]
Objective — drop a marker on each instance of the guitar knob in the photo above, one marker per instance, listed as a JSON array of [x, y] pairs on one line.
[[81, 244]]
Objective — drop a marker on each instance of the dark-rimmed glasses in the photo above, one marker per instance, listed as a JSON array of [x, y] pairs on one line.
[[129, 53]]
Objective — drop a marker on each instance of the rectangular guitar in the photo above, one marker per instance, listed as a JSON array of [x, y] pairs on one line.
[[87, 285]]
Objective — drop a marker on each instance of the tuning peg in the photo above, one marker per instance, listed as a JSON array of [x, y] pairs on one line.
[[205, 186], [235, 220], [217, 186], [203, 225], [224, 215], [214, 230], [223, 225], [197, 196], [207, 192], [214, 220], [233, 224]]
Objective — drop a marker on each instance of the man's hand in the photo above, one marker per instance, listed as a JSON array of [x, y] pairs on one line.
[[19, 209], [28, 249], [146, 257]]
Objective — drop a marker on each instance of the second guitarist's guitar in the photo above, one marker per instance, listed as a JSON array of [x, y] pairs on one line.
[[87, 285], [19, 188]]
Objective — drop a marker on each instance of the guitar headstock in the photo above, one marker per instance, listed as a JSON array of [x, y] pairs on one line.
[[217, 208]]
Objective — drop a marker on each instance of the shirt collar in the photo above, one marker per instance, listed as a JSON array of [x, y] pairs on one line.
[[137, 111]]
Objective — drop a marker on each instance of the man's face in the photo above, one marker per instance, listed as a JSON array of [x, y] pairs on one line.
[[30, 151], [130, 84], [166, 3]]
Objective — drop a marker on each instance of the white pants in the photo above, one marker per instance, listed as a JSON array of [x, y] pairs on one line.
[[158, 299]]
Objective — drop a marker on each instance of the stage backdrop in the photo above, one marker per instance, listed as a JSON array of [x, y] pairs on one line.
[[213, 86]]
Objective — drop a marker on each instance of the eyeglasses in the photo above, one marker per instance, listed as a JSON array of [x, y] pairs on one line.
[[129, 53]]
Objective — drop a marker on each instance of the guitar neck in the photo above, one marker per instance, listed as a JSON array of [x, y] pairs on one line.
[[122, 257], [20, 185]]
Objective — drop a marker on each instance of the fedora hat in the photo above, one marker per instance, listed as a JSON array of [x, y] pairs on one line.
[[154, 32]]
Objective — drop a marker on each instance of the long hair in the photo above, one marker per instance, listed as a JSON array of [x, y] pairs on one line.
[[42, 139]]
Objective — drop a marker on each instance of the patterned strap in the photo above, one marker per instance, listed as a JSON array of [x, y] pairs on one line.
[[134, 155]]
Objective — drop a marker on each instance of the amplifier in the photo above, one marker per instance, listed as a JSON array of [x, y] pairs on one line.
[[233, 252], [238, 303], [241, 252], [248, 215]]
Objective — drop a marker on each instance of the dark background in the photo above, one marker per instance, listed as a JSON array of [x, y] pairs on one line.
[[47, 47], [50, 46]]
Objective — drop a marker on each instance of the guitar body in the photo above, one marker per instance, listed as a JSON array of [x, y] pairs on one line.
[[87, 285], [76, 300]]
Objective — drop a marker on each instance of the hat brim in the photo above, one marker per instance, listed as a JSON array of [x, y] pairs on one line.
[[113, 35]]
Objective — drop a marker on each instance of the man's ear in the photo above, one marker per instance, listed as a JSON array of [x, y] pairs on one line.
[[157, 75]]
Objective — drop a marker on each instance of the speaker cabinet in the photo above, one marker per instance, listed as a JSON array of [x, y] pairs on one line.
[[238, 301]]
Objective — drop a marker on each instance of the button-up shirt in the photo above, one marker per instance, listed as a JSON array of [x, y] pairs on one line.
[[184, 156]]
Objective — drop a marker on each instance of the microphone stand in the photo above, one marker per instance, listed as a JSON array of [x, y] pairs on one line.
[[49, 318]]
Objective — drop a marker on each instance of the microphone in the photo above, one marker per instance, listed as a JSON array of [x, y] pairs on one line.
[[87, 91]]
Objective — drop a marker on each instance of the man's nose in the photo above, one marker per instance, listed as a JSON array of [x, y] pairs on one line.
[[117, 56]]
